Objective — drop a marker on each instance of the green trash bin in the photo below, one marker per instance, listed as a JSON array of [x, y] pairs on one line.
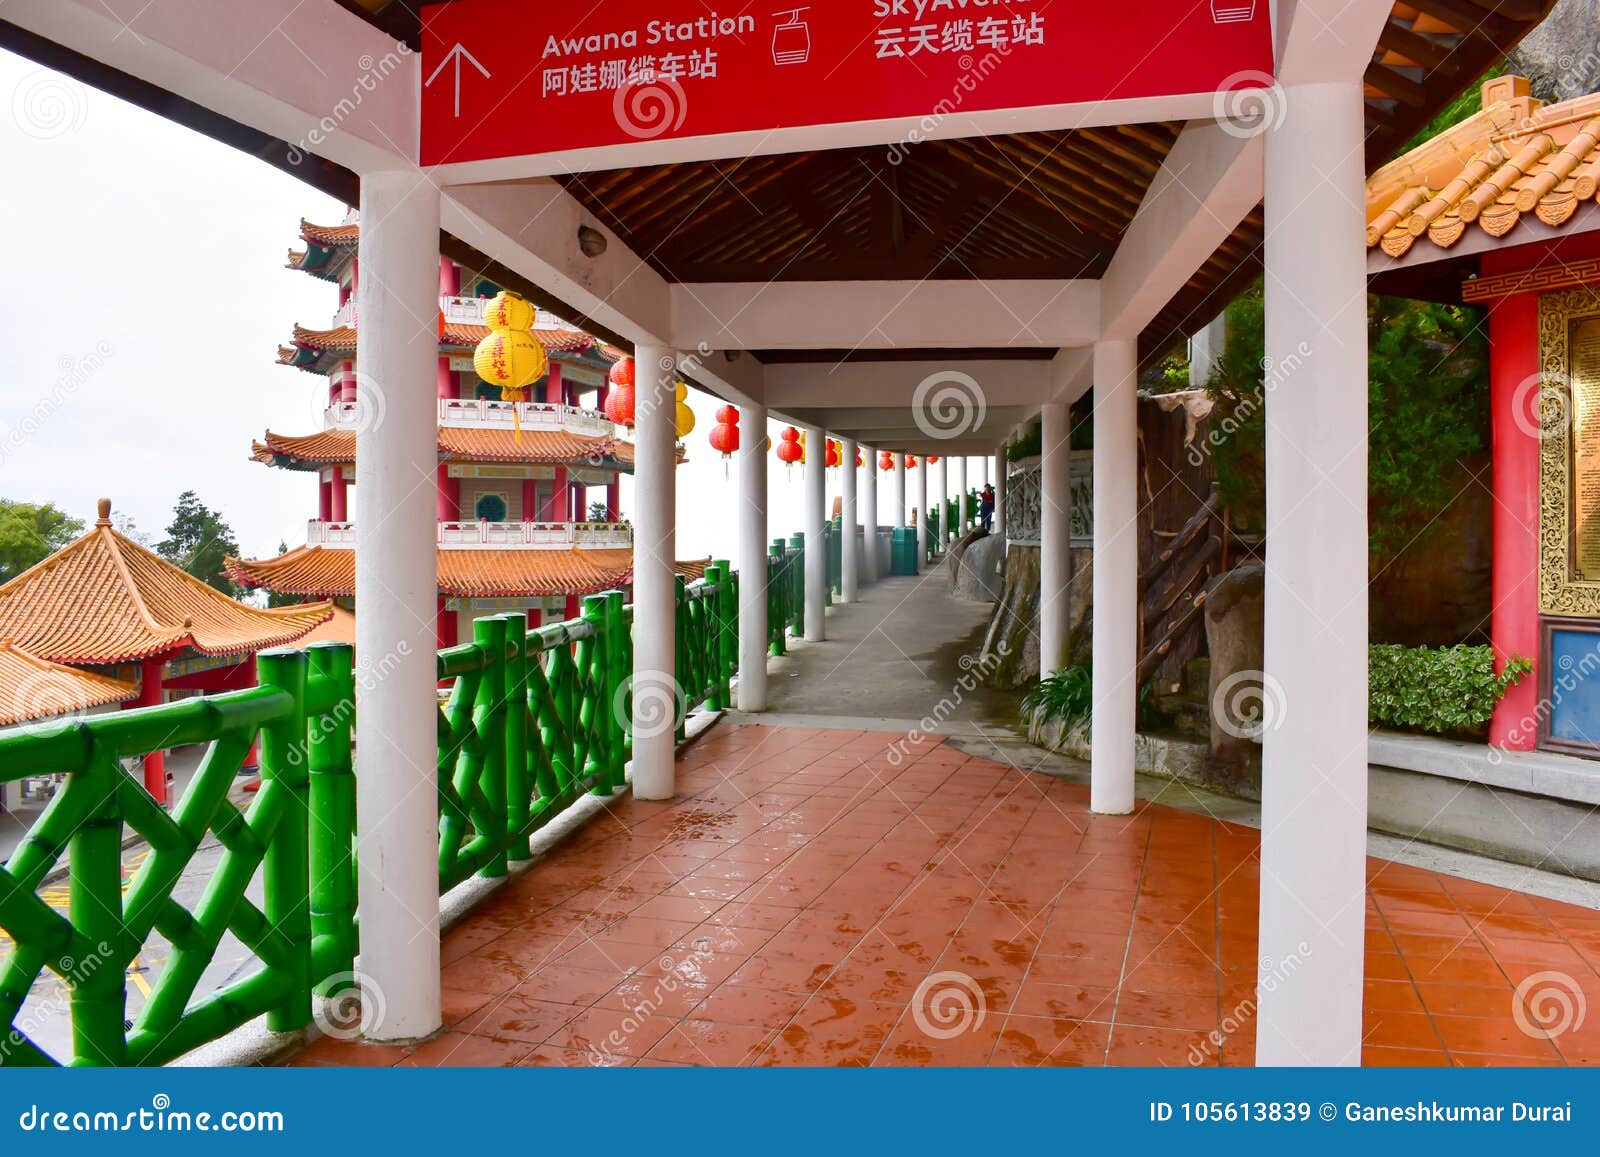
[[903, 551]]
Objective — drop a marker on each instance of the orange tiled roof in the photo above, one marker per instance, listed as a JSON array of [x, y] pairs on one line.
[[480, 574], [1516, 157], [330, 236], [35, 688], [456, 444], [106, 599], [342, 339]]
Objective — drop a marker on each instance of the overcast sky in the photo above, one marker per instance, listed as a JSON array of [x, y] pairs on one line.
[[143, 299]]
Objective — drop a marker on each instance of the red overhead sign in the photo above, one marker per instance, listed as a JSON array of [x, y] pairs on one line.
[[513, 77]]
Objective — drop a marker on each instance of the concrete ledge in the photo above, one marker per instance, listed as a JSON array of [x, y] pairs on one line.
[[1562, 777]]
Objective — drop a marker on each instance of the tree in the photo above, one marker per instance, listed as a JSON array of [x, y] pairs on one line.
[[30, 532], [198, 541], [597, 512]]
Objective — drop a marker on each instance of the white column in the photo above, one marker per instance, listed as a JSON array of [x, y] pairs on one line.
[[397, 450], [849, 554], [657, 700], [899, 490], [752, 558], [816, 549], [1116, 576], [964, 511], [944, 510], [869, 513], [1314, 699], [922, 511], [1002, 470], [1055, 531]]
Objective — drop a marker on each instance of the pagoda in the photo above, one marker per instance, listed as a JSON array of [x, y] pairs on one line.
[[514, 480], [105, 620]]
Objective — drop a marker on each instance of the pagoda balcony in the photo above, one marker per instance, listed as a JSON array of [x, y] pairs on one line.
[[505, 535], [485, 414]]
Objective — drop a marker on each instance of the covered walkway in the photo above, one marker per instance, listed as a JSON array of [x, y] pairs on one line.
[[832, 897]]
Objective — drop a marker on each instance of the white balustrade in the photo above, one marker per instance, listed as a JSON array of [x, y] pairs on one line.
[[481, 535]]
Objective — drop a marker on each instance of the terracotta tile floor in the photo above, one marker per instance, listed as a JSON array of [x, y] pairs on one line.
[[809, 900]]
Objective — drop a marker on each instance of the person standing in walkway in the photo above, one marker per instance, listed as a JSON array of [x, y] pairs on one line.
[[986, 508]]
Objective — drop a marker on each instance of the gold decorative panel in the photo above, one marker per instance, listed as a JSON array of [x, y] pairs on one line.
[[1568, 402]]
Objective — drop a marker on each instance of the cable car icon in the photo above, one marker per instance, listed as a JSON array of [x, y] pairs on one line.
[[791, 40]]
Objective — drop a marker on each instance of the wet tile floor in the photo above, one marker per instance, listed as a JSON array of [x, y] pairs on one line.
[[813, 899]]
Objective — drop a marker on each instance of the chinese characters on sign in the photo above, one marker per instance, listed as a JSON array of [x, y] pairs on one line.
[[961, 35]]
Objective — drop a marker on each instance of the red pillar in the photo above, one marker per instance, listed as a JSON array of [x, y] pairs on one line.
[[449, 278], [1514, 430], [325, 500], [339, 496], [574, 607], [447, 378], [155, 764], [448, 503], [613, 501], [347, 382], [530, 500], [580, 502], [559, 510]]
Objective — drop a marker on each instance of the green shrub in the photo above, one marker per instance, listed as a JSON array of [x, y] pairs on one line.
[[1438, 690], [1067, 695]]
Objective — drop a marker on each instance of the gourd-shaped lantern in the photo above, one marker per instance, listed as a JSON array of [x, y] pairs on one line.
[[725, 434], [683, 416], [832, 458], [933, 459], [510, 357], [886, 461], [911, 461], [858, 457], [789, 449], [619, 393]]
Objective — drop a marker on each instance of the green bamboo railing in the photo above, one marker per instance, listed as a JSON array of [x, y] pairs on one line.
[[532, 721]]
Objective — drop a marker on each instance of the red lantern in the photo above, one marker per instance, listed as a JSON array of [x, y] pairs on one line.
[[725, 434], [619, 401], [858, 457], [789, 448], [886, 461], [832, 458], [933, 460], [911, 461], [621, 373]]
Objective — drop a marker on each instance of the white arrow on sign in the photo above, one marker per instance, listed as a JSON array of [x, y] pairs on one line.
[[456, 54]]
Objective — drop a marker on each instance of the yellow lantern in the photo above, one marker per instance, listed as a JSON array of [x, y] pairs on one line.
[[510, 357], [681, 392], [685, 421]]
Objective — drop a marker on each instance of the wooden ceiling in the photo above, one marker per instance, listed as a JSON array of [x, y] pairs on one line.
[[1051, 205]]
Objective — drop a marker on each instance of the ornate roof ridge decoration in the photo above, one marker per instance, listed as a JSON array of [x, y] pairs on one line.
[[341, 339], [1514, 157], [103, 598], [456, 444], [472, 573], [35, 688]]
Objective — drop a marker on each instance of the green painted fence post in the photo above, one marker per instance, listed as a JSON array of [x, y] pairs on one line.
[[716, 686], [619, 651], [777, 600], [332, 796], [797, 573], [286, 872], [489, 720], [597, 765], [100, 995], [519, 759], [684, 659]]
